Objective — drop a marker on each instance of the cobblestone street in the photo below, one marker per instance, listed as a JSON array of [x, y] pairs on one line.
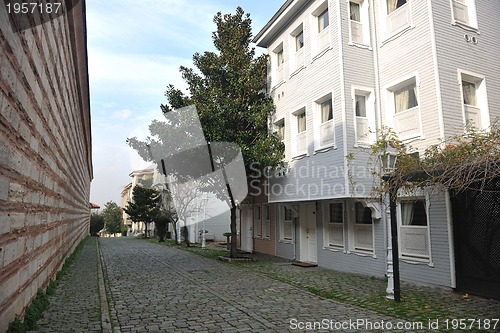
[[154, 288]]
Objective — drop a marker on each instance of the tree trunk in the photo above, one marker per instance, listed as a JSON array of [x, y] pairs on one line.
[[232, 253], [175, 232], [145, 230]]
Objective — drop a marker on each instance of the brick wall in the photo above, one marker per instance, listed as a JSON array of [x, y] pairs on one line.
[[45, 153]]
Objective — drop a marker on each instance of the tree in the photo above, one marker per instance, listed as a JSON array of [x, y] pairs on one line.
[[229, 92], [112, 216], [144, 207], [96, 224]]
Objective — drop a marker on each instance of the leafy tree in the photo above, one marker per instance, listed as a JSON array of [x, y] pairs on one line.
[[229, 92], [144, 207], [96, 224], [112, 217]]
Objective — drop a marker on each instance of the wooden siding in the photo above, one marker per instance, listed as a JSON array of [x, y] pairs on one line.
[[45, 158]]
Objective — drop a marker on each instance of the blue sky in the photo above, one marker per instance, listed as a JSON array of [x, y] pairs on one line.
[[135, 49]]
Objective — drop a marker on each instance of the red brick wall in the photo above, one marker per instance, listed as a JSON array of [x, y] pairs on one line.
[[45, 153]]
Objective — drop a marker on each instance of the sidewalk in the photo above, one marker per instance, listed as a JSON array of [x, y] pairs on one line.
[[154, 288]]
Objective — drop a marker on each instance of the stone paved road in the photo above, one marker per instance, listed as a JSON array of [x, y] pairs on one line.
[[162, 289]]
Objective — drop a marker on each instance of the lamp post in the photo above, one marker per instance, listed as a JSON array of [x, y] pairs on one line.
[[204, 200], [389, 160]]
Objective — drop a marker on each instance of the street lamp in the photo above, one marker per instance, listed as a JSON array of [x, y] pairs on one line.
[[388, 162]]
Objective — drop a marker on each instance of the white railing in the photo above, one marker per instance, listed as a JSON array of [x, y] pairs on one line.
[[336, 234], [414, 241], [407, 123], [398, 19], [460, 12], [323, 39], [326, 133], [301, 143], [473, 115], [363, 237], [356, 32], [362, 129]]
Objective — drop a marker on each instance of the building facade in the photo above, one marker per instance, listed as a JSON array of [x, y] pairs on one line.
[[45, 152], [339, 72]]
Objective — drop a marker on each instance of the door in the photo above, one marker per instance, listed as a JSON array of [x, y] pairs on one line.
[[308, 248], [476, 217], [246, 228]]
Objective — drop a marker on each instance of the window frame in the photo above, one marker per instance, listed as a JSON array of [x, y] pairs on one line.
[[472, 22], [278, 65], [328, 224], [302, 135], [321, 38], [397, 21], [417, 229], [321, 125], [257, 221], [266, 221], [481, 107], [409, 117], [283, 221], [355, 228], [363, 22], [370, 119]]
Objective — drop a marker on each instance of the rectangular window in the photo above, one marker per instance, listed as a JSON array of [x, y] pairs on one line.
[[257, 222], [299, 40], [413, 229], [326, 111], [301, 122], [280, 129], [323, 20], [464, 13], [334, 225], [392, 5], [299, 144], [286, 224], [363, 228], [469, 92], [475, 101], [266, 222], [360, 101], [278, 61], [405, 98]]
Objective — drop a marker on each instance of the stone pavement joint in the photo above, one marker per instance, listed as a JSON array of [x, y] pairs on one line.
[[105, 317]]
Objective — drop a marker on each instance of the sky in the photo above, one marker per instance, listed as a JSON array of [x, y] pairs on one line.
[[135, 49]]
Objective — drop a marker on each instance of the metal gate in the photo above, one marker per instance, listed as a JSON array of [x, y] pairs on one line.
[[476, 220]]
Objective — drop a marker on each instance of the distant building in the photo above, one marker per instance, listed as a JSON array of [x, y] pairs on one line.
[[45, 152]]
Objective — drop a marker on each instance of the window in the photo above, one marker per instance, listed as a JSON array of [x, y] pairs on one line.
[[286, 232], [298, 46], [464, 13], [279, 60], [392, 5], [300, 144], [324, 136], [323, 20], [405, 98], [363, 230], [280, 129], [413, 229], [322, 17], [406, 117], [398, 16], [359, 22], [334, 224], [299, 41], [364, 114], [257, 222], [475, 105], [266, 222]]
